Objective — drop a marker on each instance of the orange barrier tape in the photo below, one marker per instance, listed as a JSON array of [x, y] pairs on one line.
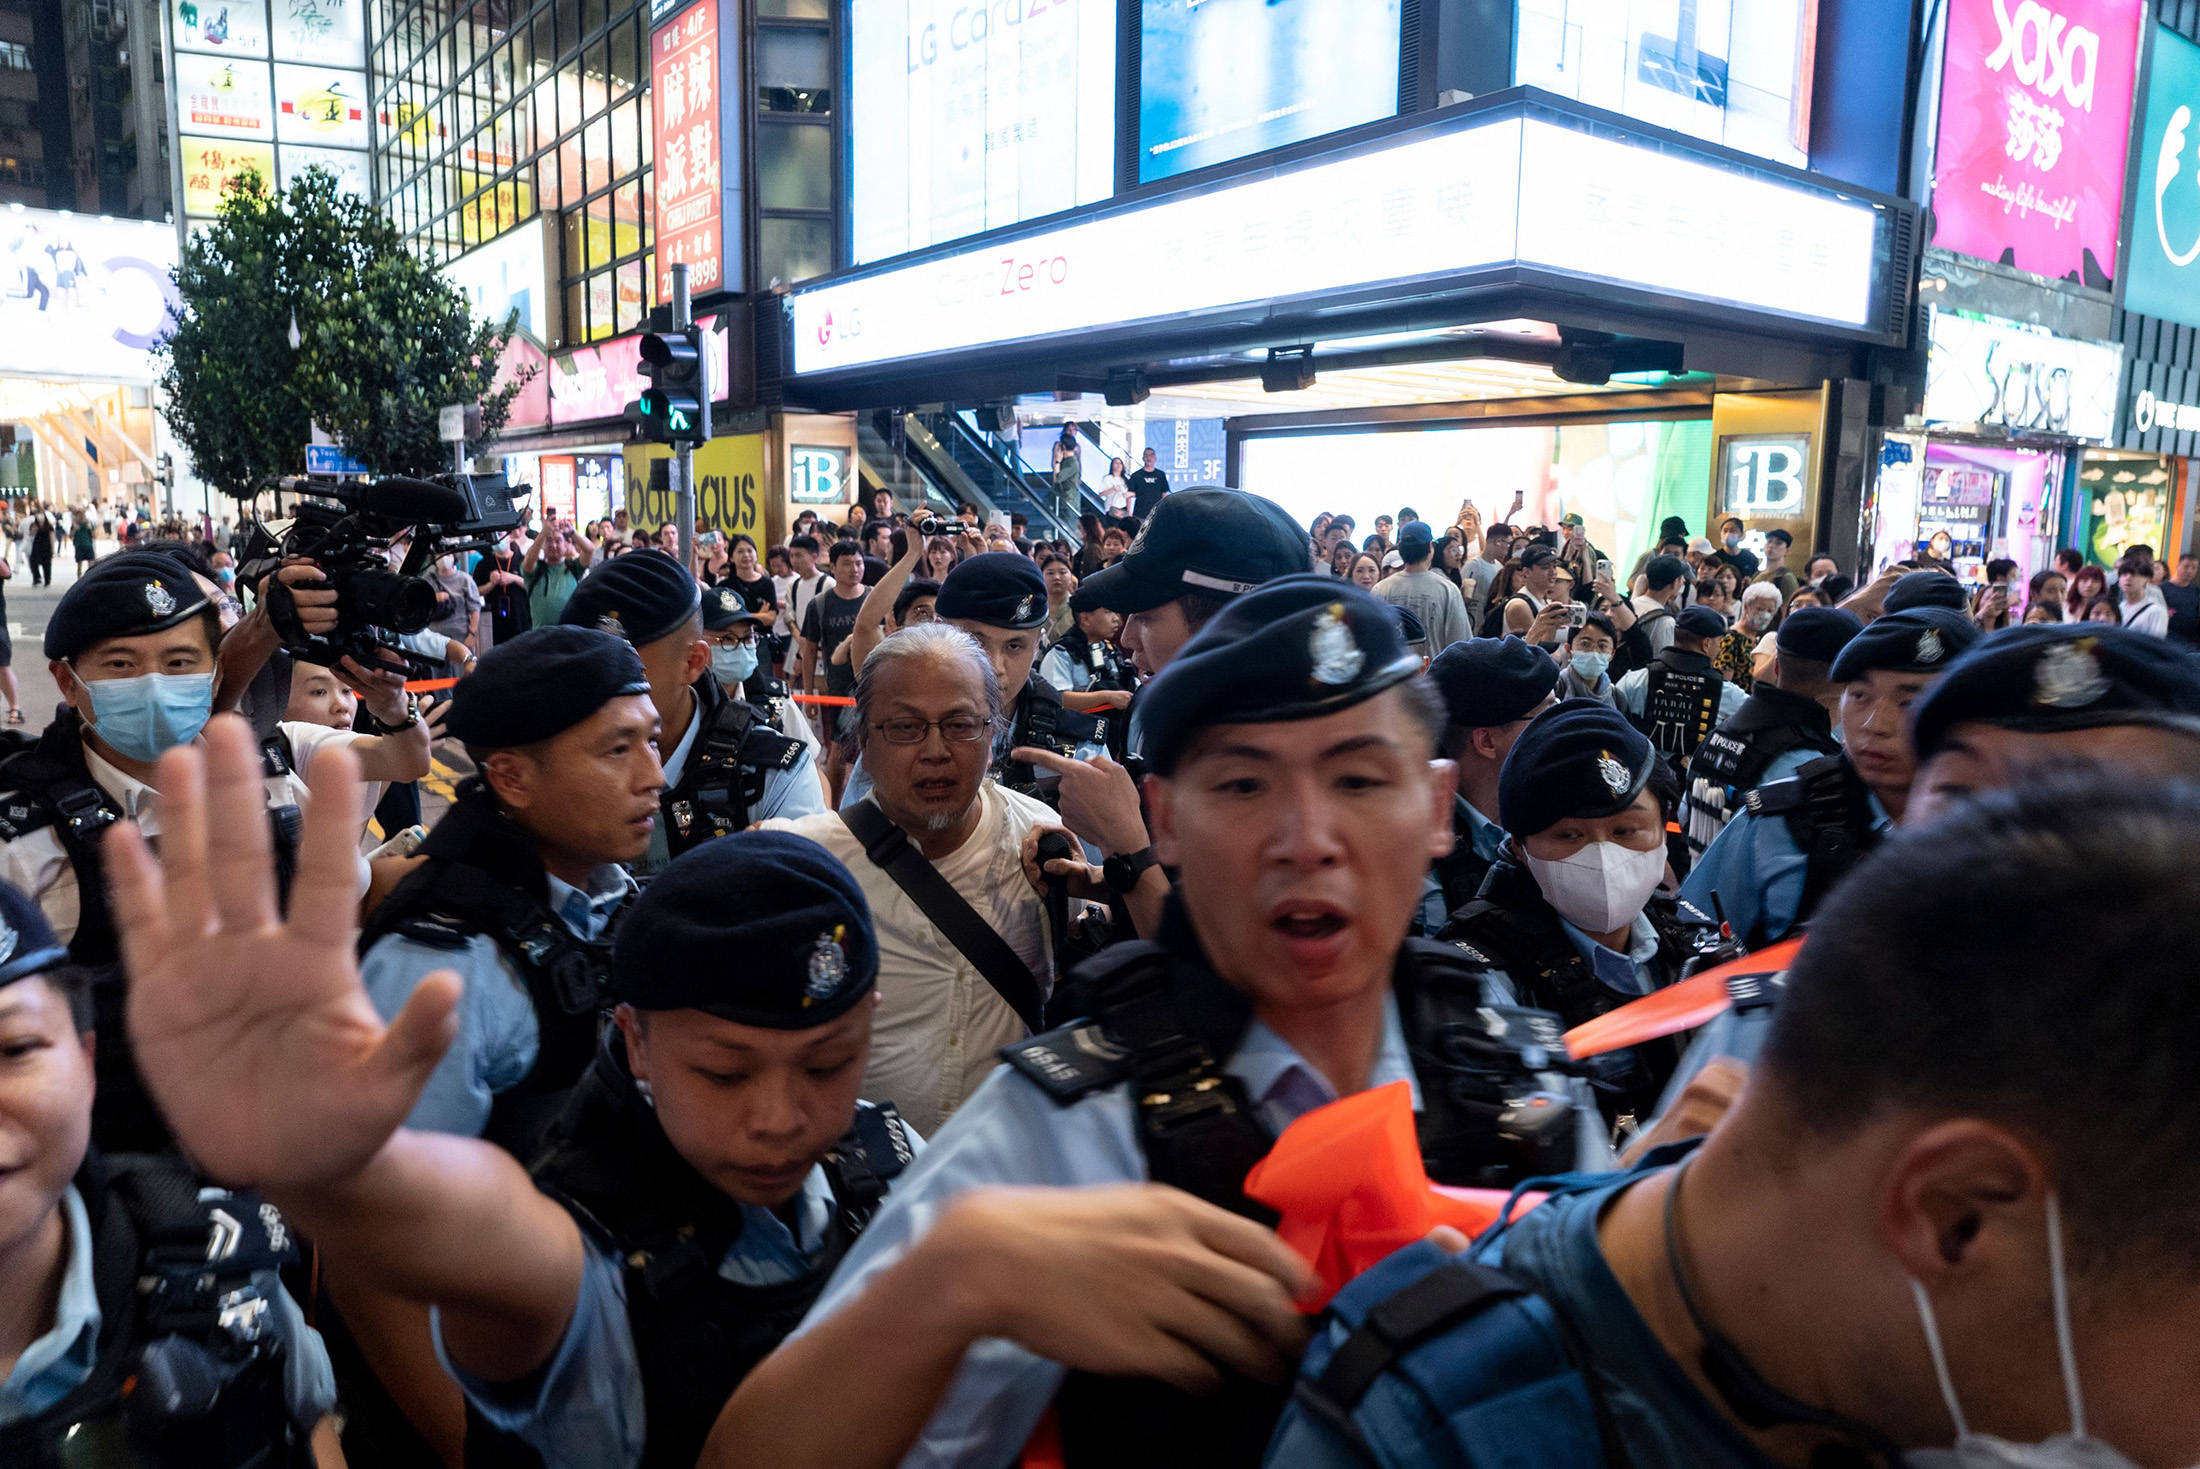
[[1694, 1001], [428, 685], [839, 699]]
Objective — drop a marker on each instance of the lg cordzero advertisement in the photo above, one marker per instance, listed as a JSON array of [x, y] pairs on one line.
[[1219, 79], [1736, 72], [966, 115], [2035, 113]]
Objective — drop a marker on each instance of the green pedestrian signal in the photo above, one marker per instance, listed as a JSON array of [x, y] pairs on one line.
[[674, 408]]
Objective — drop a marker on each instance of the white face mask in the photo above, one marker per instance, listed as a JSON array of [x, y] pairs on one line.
[[1601, 887], [2072, 1450]]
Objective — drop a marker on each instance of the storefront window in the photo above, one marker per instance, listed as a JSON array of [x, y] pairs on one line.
[[794, 168]]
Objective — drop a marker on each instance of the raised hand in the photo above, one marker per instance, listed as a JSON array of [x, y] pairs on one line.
[[252, 1033]]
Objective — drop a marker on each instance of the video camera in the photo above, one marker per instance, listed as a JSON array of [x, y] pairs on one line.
[[349, 541], [1505, 1115]]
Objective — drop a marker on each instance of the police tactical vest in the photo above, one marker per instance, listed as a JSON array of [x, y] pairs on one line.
[[723, 780], [1680, 704], [484, 876], [1460, 871], [1731, 761], [1043, 724], [1103, 661], [696, 1334], [1164, 1022], [48, 784], [1512, 927], [1828, 811], [189, 1371]]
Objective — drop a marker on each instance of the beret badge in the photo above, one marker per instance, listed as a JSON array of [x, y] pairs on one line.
[[2068, 676], [828, 966], [1336, 656], [158, 600], [1612, 772]]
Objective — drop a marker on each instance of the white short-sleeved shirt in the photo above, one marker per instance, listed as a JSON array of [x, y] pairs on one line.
[[939, 1021]]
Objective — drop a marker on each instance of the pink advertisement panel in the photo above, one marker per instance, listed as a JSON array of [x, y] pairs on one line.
[[2035, 114]]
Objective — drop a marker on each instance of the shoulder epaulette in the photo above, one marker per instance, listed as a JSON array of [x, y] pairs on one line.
[[877, 1142], [437, 931], [20, 817], [1778, 798], [765, 748], [1071, 1063]]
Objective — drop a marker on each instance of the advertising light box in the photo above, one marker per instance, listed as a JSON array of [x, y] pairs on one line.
[[2162, 277], [1514, 190], [317, 106], [965, 118], [694, 64], [221, 98], [223, 27], [2035, 115], [1983, 369], [86, 297], [510, 273], [350, 168], [321, 33], [210, 163], [1221, 80]]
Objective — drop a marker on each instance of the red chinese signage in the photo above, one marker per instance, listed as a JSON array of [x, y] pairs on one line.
[[689, 152]]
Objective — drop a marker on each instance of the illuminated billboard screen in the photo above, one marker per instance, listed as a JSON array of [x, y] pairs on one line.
[[82, 297], [966, 117], [1219, 79]]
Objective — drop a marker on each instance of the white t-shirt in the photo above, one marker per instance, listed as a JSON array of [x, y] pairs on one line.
[[939, 1021], [306, 740]]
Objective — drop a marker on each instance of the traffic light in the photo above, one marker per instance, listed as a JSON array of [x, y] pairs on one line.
[[675, 408]]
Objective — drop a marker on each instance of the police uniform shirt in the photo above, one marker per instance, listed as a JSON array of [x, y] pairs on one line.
[[1756, 872], [941, 1022], [1488, 840], [790, 793], [56, 1364], [1630, 692], [585, 1409], [39, 864], [1069, 675], [1012, 1133], [497, 1040]]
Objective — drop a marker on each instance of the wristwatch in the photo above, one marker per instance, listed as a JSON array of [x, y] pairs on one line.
[[412, 717], [1122, 871]]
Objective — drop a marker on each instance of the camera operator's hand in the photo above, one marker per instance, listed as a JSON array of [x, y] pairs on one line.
[[310, 592], [381, 690]]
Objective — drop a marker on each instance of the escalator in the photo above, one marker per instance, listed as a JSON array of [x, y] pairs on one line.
[[996, 464]]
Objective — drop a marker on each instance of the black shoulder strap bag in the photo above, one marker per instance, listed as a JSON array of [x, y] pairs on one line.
[[887, 847]]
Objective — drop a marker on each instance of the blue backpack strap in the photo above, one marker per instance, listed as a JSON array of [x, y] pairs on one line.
[[1436, 1362]]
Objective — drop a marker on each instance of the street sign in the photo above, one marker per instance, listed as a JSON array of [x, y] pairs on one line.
[[331, 459]]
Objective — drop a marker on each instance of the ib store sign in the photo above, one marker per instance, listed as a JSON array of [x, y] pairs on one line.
[[2163, 277], [2035, 113]]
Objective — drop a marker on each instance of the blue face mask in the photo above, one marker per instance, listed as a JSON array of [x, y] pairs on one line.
[[141, 717], [1589, 667], [732, 663]]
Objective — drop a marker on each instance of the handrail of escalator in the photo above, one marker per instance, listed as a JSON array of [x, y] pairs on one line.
[[1005, 452], [1013, 467]]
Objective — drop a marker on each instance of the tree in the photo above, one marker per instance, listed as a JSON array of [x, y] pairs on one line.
[[382, 341]]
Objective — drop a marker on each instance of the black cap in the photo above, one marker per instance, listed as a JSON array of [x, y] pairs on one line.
[[1492, 681], [1926, 589], [761, 928], [1578, 758], [997, 588], [124, 596], [1415, 539], [1921, 640], [1818, 633], [1783, 533], [540, 684], [1298, 648], [2048, 677], [1663, 571], [723, 608], [641, 596], [1207, 541], [1699, 622], [1537, 555], [1672, 528], [27, 942]]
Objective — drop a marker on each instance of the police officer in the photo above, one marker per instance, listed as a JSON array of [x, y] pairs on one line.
[[1295, 788], [145, 1321], [710, 1171], [1785, 723], [725, 766], [1776, 860], [1914, 589], [1491, 688], [521, 884], [738, 638], [133, 645], [1679, 698], [1570, 918]]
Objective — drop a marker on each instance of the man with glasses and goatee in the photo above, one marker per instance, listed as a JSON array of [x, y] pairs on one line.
[[942, 853]]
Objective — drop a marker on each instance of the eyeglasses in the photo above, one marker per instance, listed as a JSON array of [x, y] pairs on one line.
[[956, 729]]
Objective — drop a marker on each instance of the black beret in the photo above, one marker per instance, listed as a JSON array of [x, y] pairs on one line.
[[723, 607], [1921, 640], [998, 589], [758, 927], [2048, 677], [1492, 681], [540, 684], [1205, 541], [1578, 758], [124, 596], [27, 942], [1818, 633], [1298, 648], [1700, 622], [641, 596], [1663, 571], [1926, 589]]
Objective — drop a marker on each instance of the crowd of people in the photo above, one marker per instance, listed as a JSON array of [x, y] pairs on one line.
[[915, 994]]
